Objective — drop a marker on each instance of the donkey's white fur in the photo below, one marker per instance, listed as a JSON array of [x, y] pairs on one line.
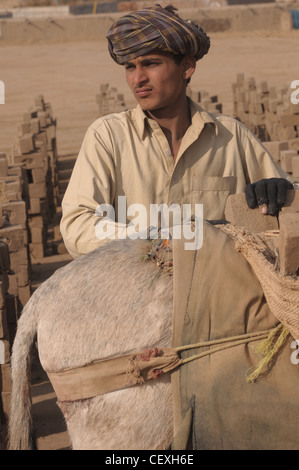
[[100, 305]]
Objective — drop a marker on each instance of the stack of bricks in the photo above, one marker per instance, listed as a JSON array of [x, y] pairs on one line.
[[35, 151], [203, 98], [267, 111], [109, 100], [286, 158], [14, 231], [7, 331]]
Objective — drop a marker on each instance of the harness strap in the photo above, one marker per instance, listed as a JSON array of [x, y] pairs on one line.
[[100, 377]]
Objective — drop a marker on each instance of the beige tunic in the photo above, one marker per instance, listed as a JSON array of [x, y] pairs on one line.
[[127, 154]]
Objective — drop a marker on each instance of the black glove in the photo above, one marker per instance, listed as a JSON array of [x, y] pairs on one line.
[[272, 192]]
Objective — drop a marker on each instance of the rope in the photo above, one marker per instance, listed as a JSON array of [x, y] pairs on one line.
[[267, 347], [233, 340]]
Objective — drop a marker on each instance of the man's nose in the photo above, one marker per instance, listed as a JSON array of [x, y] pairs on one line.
[[140, 76]]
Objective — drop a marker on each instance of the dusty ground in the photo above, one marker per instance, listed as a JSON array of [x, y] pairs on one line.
[[69, 76]]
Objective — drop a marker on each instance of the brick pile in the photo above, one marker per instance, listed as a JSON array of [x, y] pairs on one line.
[[35, 151], [109, 100], [14, 229], [7, 330], [29, 208], [203, 98], [269, 113]]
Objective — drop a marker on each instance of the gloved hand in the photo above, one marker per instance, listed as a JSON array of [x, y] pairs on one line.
[[269, 193]]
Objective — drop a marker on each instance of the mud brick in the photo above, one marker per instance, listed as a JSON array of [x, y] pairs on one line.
[[24, 295], [23, 128], [26, 143], [3, 192], [42, 116], [3, 324], [264, 87], [3, 166], [12, 184], [289, 243], [36, 221], [35, 206], [38, 234], [16, 171], [37, 190], [15, 212], [51, 136], [23, 276], [286, 133], [41, 141], [292, 202], [295, 167], [286, 157], [273, 92], [5, 380], [275, 147], [34, 126], [36, 250], [6, 398], [38, 175], [39, 102], [31, 160], [4, 351], [289, 120], [18, 258], [294, 108], [13, 287], [13, 236], [238, 213]]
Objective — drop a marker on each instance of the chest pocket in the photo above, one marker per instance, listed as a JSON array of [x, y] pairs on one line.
[[212, 192]]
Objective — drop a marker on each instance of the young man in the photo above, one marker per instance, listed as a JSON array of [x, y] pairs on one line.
[[167, 150]]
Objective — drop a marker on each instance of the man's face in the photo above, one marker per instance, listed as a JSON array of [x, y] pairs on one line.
[[156, 81]]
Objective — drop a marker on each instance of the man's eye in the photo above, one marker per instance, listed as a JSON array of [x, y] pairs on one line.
[[129, 66]]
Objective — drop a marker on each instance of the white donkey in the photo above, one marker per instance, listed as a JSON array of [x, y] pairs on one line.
[[100, 305]]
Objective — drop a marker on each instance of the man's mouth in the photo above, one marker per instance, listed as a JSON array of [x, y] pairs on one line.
[[143, 92]]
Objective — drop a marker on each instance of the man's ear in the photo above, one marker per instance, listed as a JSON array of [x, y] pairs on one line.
[[189, 66]]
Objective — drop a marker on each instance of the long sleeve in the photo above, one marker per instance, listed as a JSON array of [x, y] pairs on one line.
[[92, 183]]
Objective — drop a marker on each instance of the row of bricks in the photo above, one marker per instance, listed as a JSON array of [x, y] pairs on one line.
[[203, 98], [286, 158], [109, 100], [37, 154], [269, 113]]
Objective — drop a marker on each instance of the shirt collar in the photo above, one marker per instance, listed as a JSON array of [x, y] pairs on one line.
[[199, 118]]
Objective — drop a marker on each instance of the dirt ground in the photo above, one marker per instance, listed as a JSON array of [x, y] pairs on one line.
[[69, 76]]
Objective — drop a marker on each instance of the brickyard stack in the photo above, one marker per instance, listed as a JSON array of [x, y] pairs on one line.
[[35, 150], [109, 100], [270, 114]]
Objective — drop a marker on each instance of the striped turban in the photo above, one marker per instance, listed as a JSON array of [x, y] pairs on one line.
[[155, 28]]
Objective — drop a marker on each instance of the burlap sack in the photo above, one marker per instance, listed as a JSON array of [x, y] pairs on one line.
[[217, 295]]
